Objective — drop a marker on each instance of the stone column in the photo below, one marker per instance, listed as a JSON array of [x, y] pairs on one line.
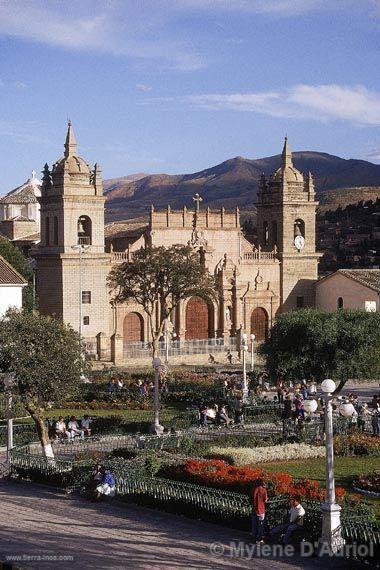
[[117, 349]]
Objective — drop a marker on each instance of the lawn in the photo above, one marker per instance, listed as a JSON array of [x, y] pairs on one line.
[[346, 469]]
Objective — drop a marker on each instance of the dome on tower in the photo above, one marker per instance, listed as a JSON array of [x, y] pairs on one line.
[[71, 161], [287, 170]]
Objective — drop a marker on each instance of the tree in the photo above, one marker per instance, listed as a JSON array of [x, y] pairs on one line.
[[159, 277], [310, 343], [44, 356], [14, 256]]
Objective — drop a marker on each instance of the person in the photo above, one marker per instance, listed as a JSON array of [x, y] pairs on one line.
[[312, 388], [86, 425], [300, 413], [107, 486], [110, 386], [304, 391], [211, 358], [280, 390], [286, 416], [95, 479], [203, 415], [74, 429], [223, 416], [239, 411], [210, 415], [60, 429], [120, 384], [229, 356], [259, 500], [296, 516], [375, 420]]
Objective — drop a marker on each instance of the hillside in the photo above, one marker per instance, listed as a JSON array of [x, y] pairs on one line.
[[235, 183]]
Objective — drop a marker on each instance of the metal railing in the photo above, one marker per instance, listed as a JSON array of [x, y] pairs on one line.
[[180, 347]]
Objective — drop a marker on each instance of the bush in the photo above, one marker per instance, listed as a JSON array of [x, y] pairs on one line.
[[357, 444], [219, 474], [369, 483]]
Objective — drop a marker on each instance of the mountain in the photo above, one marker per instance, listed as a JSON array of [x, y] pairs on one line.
[[234, 183]]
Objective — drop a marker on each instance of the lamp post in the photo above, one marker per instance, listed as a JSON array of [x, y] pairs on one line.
[[8, 380], [331, 538], [156, 427], [81, 249], [252, 353], [244, 348]]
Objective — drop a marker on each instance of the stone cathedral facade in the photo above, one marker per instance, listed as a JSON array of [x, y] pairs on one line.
[[254, 282]]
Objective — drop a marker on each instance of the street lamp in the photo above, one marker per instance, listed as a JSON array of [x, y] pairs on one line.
[[8, 380], [252, 355], [156, 427], [244, 348], [310, 406], [331, 527], [81, 249]]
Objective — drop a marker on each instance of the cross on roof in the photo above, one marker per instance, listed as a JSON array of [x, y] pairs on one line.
[[197, 199]]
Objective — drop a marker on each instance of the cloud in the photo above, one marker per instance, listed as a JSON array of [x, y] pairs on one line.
[[355, 104], [143, 87], [124, 28], [374, 154]]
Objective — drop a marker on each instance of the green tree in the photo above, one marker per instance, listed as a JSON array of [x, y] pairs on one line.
[[44, 356], [310, 343], [14, 256], [159, 276]]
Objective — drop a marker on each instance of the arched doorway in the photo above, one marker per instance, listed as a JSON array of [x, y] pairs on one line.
[[133, 327], [259, 323], [197, 319]]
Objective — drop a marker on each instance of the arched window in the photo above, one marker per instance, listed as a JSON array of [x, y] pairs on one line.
[[55, 230], [265, 233], [299, 228], [274, 232], [84, 230], [47, 230], [340, 303]]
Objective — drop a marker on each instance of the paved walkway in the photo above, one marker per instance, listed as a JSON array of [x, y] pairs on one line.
[[39, 522]]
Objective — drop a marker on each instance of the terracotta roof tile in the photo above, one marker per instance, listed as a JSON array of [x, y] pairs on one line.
[[9, 275], [368, 277]]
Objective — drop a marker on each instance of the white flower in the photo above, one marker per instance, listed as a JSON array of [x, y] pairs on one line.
[[246, 455]]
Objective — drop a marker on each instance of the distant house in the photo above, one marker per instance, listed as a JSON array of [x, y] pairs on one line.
[[349, 289], [11, 286]]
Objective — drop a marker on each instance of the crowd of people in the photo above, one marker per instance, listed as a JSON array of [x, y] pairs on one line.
[[73, 428]]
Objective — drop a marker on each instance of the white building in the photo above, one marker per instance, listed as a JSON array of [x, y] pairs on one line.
[[20, 211], [349, 289], [11, 286]]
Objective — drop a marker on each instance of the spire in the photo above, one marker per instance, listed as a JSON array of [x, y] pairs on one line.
[[71, 143], [286, 155]]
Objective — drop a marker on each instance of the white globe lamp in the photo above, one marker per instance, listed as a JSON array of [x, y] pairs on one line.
[[346, 409], [328, 386], [252, 337], [310, 406]]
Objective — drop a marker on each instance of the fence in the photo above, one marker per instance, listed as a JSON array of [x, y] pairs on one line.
[[22, 433], [179, 347], [198, 501]]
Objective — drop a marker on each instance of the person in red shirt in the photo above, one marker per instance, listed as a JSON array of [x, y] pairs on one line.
[[259, 500]]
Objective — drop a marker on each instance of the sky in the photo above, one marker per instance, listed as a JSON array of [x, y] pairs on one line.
[[177, 86]]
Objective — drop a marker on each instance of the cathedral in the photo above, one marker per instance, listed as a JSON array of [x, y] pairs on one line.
[[255, 283]]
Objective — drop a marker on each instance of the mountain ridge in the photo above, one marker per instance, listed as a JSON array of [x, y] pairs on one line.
[[234, 182]]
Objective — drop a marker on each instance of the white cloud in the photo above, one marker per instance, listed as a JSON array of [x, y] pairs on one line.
[[120, 28], [374, 154], [355, 104], [143, 87]]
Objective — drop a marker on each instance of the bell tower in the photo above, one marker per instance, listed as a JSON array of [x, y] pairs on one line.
[[286, 212], [72, 265]]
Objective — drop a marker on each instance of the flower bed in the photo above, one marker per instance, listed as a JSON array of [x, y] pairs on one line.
[[356, 444], [219, 474], [369, 484], [245, 456]]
